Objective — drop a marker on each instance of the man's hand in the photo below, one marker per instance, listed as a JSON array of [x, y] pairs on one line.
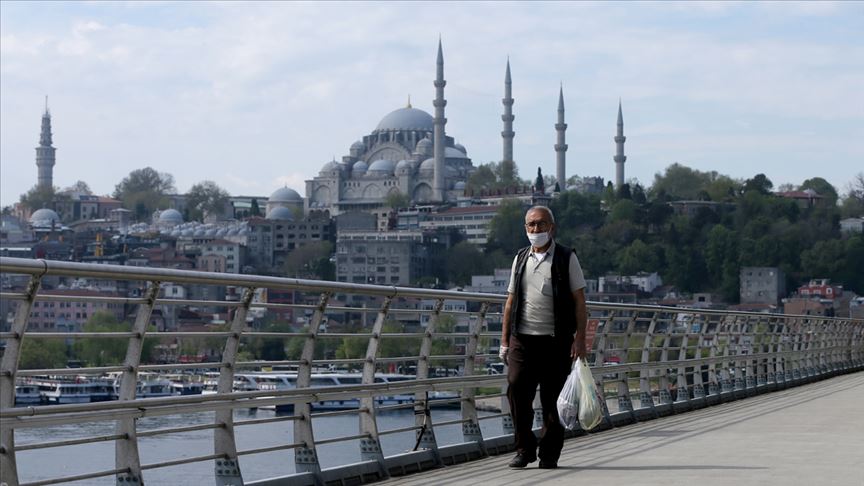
[[577, 350], [503, 353]]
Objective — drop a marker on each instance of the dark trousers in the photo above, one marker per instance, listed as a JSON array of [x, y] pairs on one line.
[[533, 360]]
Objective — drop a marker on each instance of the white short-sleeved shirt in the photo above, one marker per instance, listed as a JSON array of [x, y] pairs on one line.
[[537, 315]]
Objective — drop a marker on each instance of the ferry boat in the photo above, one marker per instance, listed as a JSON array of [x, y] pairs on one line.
[[64, 390], [283, 381], [27, 393]]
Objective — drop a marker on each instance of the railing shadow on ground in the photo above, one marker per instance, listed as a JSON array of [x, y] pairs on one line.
[[649, 361]]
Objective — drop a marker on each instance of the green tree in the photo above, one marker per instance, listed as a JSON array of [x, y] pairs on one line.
[[310, 261], [206, 198], [143, 191], [507, 228], [483, 178], [80, 187], [40, 354], [39, 197], [623, 210], [463, 261], [759, 183], [637, 257], [396, 200], [822, 187], [255, 210], [681, 182], [108, 351]]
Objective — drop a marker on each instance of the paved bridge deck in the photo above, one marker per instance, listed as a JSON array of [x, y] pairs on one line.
[[808, 435]]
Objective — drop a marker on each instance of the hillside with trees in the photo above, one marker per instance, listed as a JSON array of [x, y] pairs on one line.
[[728, 224]]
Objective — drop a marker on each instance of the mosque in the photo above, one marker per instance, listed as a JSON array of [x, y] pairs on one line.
[[409, 153]]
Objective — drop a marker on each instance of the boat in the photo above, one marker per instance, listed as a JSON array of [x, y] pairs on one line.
[[27, 393], [64, 390]]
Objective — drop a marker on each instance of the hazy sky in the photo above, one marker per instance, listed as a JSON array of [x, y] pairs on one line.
[[254, 96]]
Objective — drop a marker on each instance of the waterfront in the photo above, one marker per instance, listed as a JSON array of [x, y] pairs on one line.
[[65, 461]]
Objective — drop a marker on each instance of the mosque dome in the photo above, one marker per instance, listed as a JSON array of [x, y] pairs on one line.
[[459, 186], [381, 167], [460, 148], [212, 232], [284, 195], [332, 165], [358, 145], [170, 216], [428, 164], [281, 213], [44, 217], [452, 153], [404, 167], [359, 168], [424, 146], [406, 119]]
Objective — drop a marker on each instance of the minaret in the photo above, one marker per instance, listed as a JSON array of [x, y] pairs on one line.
[[438, 140], [45, 152], [561, 146], [619, 158], [508, 133]]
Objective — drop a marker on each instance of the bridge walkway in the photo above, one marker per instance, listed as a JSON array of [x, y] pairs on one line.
[[808, 435]]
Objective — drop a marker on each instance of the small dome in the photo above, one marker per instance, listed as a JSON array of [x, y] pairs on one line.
[[222, 232], [283, 195], [460, 148], [187, 232], [428, 164], [424, 147], [406, 119], [281, 214], [200, 232], [211, 232], [452, 153], [459, 186], [171, 216], [332, 165], [404, 167], [359, 168], [44, 217], [382, 167], [358, 145]]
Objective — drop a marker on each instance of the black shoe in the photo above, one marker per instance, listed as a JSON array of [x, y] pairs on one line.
[[522, 460], [548, 464]]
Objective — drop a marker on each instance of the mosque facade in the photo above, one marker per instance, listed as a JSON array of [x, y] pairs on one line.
[[408, 153]]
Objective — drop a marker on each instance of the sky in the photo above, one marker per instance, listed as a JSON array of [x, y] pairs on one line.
[[254, 96]]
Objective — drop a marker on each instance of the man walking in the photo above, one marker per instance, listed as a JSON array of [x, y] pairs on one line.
[[543, 331]]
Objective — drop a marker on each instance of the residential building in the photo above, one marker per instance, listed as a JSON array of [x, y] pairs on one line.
[[762, 285]]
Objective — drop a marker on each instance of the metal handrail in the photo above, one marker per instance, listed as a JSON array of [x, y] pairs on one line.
[[667, 363]]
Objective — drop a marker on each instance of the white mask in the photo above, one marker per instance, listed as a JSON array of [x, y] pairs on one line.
[[538, 240]]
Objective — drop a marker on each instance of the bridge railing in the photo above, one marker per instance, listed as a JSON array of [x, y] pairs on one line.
[[409, 349]]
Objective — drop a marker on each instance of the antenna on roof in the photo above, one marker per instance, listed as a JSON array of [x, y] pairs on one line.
[[409, 101]]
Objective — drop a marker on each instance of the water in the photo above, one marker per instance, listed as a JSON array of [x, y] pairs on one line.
[[79, 459]]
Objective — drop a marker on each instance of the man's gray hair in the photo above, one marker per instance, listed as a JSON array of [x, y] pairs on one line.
[[544, 209]]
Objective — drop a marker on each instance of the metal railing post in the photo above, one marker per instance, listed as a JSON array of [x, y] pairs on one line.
[[646, 398], [8, 369], [227, 469], [126, 449], [471, 426], [370, 447], [425, 435], [306, 457]]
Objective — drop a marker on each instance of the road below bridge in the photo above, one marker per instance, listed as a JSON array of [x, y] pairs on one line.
[[808, 435]]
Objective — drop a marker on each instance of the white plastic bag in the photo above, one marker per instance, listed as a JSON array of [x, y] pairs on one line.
[[590, 411], [568, 401]]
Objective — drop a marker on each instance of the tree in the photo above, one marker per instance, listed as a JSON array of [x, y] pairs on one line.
[[206, 199], [636, 258], [80, 187], [39, 197], [255, 210], [759, 183], [822, 187], [681, 182], [39, 354], [310, 261], [623, 210], [507, 228], [108, 351], [463, 261], [396, 200], [143, 191], [483, 178], [853, 202]]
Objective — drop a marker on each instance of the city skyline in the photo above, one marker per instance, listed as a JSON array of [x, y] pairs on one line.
[[735, 88]]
